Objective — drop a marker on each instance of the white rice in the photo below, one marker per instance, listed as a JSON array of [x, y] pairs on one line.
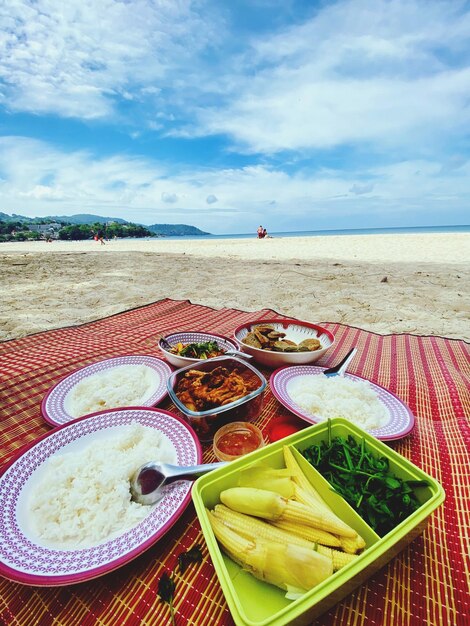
[[328, 397], [84, 496], [123, 385]]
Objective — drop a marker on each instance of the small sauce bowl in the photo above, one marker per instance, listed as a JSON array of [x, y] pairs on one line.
[[237, 439]]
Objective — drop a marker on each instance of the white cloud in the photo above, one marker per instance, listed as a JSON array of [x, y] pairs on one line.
[[378, 88], [361, 189], [43, 192], [169, 197], [387, 73], [134, 189], [77, 59]]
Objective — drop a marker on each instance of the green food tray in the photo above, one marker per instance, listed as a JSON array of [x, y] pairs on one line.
[[256, 603]]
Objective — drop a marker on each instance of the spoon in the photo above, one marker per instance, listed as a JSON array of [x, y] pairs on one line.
[[148, 481], [244, 355], [338, 370]]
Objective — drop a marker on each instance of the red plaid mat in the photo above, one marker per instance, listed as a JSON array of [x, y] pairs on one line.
[[428, 583]]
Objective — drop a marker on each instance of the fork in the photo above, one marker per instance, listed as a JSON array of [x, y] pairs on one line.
[[338, 370]]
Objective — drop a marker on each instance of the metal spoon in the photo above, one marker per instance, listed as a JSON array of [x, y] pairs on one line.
[[165, 344], [148, 481], [338, 370], [244, 355]]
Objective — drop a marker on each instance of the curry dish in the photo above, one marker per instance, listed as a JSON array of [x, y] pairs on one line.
[[202, 391]]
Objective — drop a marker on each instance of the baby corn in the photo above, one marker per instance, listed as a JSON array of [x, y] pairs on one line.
[[285, 565], [253, 528], [340, 559], [314, 535], [306, 498], [352, 545], [272, 506], [299, 477], [277, 480]]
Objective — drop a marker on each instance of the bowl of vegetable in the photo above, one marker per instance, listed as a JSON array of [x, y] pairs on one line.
[[186, 347], [285, 545]]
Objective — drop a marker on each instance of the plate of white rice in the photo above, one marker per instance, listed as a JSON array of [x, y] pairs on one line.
[[67, 514], [307, 393], [124, 381]]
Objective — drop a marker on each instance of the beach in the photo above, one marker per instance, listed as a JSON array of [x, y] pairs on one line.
[[390, 283]]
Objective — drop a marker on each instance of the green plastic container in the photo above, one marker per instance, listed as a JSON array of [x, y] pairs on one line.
[[255, 603]]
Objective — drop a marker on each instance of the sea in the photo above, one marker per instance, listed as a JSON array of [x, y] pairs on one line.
[[330, 233]]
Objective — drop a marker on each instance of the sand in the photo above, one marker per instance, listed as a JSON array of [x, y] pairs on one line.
[[412, 283]]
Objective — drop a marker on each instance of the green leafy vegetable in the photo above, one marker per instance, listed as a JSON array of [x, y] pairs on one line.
[[166, 591], [194, 555], [167, 585], [382, 499], [203, 350]]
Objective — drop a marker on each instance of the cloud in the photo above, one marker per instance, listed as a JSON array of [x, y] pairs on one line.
[[134, 189], [383, 75], [169, 197], [354, 108], [43, 192], [386, 75], [79, 60], [361, 189]]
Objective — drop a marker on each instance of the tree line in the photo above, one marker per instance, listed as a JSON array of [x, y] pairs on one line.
[[109, 231], [19, 231]]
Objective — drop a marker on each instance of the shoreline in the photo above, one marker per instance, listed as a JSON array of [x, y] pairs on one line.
[[407, 283], [404, 247]]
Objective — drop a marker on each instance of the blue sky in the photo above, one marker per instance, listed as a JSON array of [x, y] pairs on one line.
[[230, 114]]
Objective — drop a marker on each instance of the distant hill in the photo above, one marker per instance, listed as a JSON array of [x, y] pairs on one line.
[[165, 230], [169, 230], [85, 218], [82, 218]]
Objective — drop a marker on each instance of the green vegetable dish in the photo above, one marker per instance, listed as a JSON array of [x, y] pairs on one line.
[[203, 350], [382, 499]]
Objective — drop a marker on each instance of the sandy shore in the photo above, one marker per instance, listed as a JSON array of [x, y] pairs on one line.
[[384, 283]]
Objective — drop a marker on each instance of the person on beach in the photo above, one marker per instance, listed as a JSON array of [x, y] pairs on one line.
[[101, 237], [261, 232]]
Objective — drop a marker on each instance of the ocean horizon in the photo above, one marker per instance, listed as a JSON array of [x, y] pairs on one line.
[[330, 233]]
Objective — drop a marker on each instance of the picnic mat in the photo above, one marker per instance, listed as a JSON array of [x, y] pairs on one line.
[[428, 583]]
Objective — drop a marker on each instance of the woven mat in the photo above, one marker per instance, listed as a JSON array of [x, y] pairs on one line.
[[426, 584]]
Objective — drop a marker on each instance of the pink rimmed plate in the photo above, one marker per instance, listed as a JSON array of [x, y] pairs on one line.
[[53, 406], [22, 556], [401, 419]]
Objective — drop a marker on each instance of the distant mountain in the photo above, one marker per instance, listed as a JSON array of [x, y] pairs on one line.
[[14, 218], [67, 219], [165, 230], [85, 218], [169, 230]]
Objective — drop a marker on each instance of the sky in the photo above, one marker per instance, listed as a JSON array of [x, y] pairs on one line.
[[227, 114]]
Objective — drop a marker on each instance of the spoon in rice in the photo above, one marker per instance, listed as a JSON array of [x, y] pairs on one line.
[[338, 370], [147, 483]]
